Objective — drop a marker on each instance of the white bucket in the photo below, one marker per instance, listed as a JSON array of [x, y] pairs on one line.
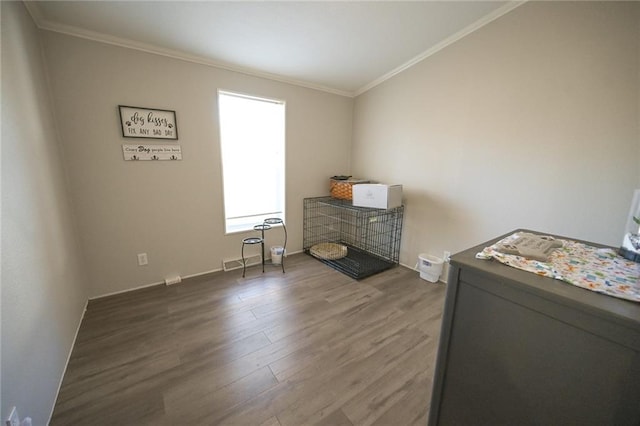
[[276, 255], [430, 267]]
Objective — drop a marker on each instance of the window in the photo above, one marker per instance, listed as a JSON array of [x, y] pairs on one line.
[[252, 146]]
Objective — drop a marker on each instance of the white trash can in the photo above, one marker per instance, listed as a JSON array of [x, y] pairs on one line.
[[430, 267], [276, 255]]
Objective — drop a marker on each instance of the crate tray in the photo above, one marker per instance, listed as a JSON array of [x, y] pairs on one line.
[[357, 264]]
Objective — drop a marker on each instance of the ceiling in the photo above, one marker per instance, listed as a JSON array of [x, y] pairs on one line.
[[341, 47]]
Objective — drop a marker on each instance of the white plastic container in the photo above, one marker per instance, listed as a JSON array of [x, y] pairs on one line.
[[430, 267], [276, 255]]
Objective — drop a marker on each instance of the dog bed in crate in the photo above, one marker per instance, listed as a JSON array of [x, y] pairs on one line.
[[328, 251]]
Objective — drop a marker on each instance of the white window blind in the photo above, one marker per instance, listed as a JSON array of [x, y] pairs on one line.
[[252, 142]]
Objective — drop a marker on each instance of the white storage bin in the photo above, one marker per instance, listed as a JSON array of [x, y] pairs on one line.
[[430, 267]]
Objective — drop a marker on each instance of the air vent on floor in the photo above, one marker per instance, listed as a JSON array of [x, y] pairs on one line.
[[230, 265]]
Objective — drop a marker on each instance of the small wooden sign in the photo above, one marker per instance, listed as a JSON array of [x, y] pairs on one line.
[[148, 123], [151, 152]]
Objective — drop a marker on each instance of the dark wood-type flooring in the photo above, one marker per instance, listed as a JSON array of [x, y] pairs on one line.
[[311, 346]]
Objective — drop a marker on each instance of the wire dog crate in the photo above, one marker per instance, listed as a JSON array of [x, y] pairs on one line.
[[370, 237]]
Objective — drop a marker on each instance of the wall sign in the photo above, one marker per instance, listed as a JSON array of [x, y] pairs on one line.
[[152, 152], [148, 123]]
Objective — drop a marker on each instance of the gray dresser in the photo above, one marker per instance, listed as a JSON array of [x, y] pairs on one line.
[[520, 349]]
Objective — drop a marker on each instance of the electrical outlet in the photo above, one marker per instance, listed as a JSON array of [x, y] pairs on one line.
[[142, 259], [13, 419]]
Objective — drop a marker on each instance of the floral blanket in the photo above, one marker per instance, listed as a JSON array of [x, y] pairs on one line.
[[597, 269]]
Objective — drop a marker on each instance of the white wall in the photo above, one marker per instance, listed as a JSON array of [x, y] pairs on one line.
[[43, 282], [172, 210], [531, 122]]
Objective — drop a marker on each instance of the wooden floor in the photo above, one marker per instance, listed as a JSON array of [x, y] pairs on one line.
[[311, 346]]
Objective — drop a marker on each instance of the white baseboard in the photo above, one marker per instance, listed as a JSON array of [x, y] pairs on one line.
[[126, 290], [198, 274], [66, 364]]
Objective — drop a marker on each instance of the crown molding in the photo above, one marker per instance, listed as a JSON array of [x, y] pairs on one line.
[[444, 43], [44, 24]]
